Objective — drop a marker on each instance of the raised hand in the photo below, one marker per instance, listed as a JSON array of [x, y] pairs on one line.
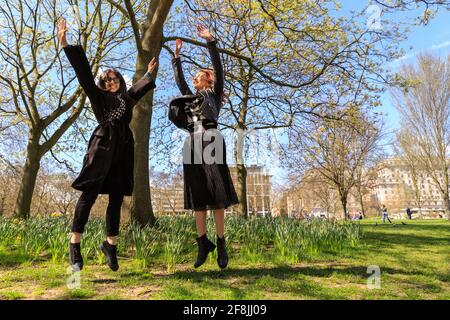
[[151, 66], [62, 31], [204, 33], [178, 45]]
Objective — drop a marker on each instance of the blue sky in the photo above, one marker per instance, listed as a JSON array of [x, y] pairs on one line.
[[432, 38]]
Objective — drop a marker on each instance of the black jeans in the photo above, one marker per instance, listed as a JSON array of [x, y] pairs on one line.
[[83, 209]]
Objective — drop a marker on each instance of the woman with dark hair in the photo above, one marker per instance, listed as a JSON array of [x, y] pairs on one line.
[[108, 164], [207, 179]]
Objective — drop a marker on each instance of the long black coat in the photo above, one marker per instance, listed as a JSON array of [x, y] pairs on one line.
[[206, 186], [108, 163]]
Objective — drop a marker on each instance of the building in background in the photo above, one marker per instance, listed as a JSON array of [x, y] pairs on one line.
[[259, 191], [169, 200], [167, 192], [396, 190], [392, 186]]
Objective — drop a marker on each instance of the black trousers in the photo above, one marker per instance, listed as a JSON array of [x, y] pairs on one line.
[[83, 209]]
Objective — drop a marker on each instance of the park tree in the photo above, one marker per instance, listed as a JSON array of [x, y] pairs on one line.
[[424, 105], [321, 191], [405, 148], [367, 180], [338, 150]]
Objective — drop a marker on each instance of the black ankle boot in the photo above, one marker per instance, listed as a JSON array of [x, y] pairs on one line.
[[110, 252], [222, 256], [75, 258], [204, 247]]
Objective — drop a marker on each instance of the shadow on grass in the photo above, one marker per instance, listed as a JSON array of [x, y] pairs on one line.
[[281, 272], [11, 258], [413, 226], [404, 239], [299, 281], [103, 281]]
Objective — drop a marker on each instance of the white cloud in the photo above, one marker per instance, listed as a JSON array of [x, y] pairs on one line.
[[405, 57], [439, 46], [413, 54]]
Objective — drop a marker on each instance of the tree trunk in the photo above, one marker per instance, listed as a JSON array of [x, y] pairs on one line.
[[2, 205], [344, 206], [242, 190], [343, 197], [241, 174], [447, 207], [152, 34], [361, 201], [141, 206], [28, 182], [419, 204]]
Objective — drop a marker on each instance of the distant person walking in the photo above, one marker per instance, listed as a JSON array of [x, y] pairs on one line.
[[409, 213], [384, 214]]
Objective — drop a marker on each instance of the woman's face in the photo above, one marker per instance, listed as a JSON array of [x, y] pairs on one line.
[[112, 82], [200, 81]]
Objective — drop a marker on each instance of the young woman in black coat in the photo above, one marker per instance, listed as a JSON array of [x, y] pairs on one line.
[[108, 164], [207, 184]]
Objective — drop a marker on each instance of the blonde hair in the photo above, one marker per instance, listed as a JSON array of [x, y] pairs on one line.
[[210, 75]]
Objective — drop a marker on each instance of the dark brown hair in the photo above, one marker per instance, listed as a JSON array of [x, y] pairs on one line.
[[104, 75]]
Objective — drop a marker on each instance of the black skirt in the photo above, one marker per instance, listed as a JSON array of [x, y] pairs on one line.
[[207, 180]]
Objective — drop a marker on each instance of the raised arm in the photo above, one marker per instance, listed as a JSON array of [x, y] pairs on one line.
[[178, 70], [204, 33], [217, 66], [77, 58], [145, 84]]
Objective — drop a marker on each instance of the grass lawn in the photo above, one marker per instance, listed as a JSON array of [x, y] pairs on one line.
[[414, 260]]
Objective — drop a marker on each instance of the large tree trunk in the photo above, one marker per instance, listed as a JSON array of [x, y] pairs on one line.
[[141, 206], [152, 34], [28, 182]]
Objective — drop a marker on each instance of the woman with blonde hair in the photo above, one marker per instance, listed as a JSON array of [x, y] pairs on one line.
[[207, 179]]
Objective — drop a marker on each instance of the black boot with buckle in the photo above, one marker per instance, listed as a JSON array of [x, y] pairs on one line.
[[204, 247], [75, 258]]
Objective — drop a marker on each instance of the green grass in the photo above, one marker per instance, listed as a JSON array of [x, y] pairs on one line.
[[12, 295], [414, 260]]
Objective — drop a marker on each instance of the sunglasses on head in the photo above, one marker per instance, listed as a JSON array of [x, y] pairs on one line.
[[115, 80]]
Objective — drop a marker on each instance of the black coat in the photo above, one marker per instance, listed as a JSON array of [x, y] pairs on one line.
[[212, 102], [108, 163]]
